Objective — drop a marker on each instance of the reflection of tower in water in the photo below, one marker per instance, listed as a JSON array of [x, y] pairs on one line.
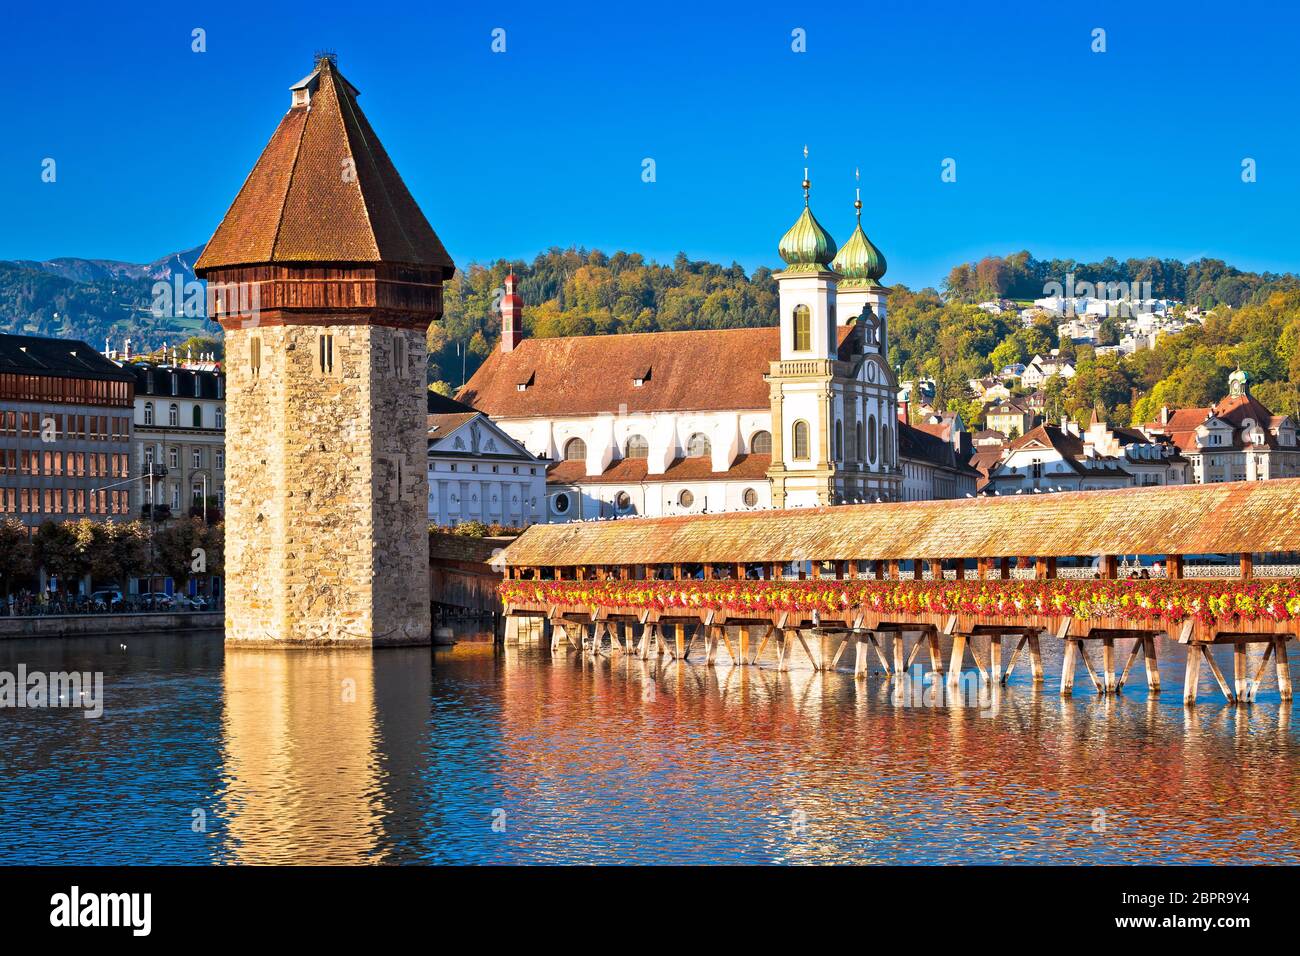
[[307, 750]]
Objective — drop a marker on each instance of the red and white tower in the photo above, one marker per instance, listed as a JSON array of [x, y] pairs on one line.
[[512, 316]]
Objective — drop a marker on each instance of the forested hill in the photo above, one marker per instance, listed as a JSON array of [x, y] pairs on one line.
[[576, 292], [1204, 282], [939, 335]]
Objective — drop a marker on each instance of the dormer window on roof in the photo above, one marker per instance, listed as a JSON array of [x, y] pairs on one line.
[[641, 377], [523, 386]]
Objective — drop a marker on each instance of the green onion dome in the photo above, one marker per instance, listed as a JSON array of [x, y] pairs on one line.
[[806, 245], [859, 261]]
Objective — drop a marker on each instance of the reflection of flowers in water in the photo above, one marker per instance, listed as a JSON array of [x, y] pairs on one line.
[[1163, 601]]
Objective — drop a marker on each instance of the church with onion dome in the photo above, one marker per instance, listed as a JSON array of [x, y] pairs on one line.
[[800, 414]]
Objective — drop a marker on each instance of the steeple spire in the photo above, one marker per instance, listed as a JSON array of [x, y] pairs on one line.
[[806, 246], [807, 184], [860, 263]]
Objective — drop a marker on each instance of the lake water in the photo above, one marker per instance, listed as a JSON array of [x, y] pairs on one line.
[[479, 755]]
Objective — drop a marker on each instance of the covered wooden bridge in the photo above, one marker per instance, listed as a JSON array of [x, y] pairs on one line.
[[1202, 564]]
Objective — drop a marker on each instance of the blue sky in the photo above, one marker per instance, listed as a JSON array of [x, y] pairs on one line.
[[1059, 150]]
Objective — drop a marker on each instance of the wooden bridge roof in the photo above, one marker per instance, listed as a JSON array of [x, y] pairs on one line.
[[1232, 517]]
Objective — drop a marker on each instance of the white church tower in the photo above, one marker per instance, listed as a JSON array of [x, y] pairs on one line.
[[803, 456], [872, 399], [861, 266], [834, 434]]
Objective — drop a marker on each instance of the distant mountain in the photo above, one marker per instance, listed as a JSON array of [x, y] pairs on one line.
[[95, 299], [106, 270]]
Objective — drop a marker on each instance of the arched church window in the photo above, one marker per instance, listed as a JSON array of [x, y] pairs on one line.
[[859, 449], [637, 447], [575, 449], [761, 443], [871, 439], [802, 328], [697, 446], [839, 441], [800, 442], [886, 439]]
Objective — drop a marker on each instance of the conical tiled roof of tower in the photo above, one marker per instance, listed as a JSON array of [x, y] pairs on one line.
[[324, 190]]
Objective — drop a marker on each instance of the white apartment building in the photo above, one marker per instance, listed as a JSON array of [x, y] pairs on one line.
[[477, 472], [179, 436]]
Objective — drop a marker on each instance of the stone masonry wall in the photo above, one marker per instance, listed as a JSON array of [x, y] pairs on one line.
[[254, 478], [326, 489], [400, 488]]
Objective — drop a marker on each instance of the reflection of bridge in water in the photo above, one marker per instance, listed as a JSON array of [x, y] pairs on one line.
[[823, 767], [1212, 565]]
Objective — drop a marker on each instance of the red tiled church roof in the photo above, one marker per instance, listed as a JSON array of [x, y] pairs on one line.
[[324, 190], [632, 470], [699, 370]]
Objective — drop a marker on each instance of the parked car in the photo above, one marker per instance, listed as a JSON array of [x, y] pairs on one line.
[[195, 603], [110, 600], [157, 601]]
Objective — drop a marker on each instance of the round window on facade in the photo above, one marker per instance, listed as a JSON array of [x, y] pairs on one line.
[[750, 497], [686, 499], [623, 501], [561, 504]]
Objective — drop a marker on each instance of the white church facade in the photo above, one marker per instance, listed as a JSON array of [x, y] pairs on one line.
[[802, 414]]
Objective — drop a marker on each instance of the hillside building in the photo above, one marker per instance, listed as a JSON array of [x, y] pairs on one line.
[[1236, 439]]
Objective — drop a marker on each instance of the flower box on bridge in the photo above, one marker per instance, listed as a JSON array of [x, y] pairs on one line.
[[1194, 610]]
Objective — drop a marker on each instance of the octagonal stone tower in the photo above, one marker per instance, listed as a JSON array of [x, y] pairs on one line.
[[325, 276]]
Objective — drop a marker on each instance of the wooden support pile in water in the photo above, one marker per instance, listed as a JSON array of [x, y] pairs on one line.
[[896, 647]]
